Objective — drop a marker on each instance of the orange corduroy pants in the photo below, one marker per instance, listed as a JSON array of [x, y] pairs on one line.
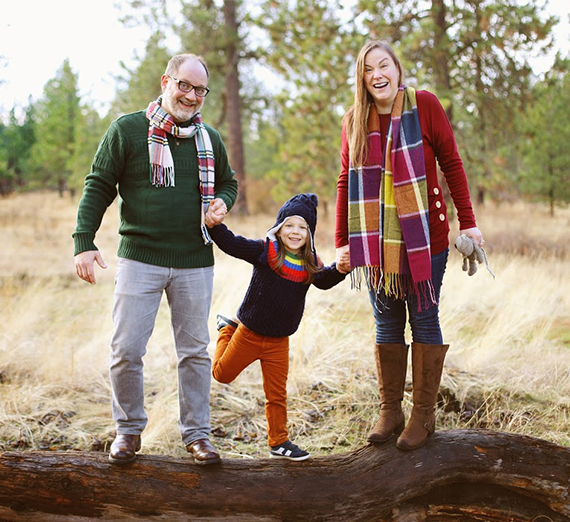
[[236, 349]]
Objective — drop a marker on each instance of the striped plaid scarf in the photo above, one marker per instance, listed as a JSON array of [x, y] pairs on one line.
[[161, 163], [388, 217]]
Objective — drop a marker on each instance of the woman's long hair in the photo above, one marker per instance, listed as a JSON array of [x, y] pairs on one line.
[[305, 254], [356, 118]]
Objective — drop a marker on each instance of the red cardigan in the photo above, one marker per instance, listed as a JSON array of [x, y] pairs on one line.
[[440, 145]]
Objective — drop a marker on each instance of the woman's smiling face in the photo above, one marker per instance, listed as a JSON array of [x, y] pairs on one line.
[[381, 79]]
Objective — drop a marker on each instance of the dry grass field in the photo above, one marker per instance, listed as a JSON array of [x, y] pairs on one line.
[[507, 368]]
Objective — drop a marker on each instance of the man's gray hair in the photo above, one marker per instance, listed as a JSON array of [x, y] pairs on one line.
[[176, 61]]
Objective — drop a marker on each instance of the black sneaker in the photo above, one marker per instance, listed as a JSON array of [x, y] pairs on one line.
[[222, 321], [288, 450]]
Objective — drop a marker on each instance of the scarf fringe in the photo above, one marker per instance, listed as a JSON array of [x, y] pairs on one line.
[[206, 235], [396, 286], [162, 176]]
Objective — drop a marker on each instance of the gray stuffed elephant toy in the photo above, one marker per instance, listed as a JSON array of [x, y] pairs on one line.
[[472, 254]]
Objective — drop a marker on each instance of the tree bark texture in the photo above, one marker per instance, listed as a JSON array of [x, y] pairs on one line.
[[442, 55], [233, 108], [459, 475]]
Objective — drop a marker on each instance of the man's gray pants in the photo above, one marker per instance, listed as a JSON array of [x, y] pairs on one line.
[[138, 292]]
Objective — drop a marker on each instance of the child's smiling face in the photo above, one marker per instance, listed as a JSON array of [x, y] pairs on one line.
[[294, 233]]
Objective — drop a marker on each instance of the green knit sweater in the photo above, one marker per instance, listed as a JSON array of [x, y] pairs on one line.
[[159, 226]]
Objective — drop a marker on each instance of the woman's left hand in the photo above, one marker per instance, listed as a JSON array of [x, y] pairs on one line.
[[343, 259], [475, 234]]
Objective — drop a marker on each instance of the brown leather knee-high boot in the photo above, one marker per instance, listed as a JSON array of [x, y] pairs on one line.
[[391, 364], [427, 366]]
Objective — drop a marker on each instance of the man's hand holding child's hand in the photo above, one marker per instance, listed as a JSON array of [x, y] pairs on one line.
[[216, 213]]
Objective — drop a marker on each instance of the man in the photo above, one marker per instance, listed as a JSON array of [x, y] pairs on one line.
[[173, 178]]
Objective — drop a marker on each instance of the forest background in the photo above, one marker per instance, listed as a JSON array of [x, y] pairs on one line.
[[281, 80]]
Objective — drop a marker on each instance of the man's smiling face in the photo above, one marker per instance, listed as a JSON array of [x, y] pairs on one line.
[[182, 106]]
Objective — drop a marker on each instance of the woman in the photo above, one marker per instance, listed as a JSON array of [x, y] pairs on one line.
[[392, 229]]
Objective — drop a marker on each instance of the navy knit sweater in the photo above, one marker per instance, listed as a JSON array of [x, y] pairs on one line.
[[272, 306]]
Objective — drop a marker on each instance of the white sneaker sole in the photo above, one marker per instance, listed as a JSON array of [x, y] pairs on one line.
[[296, 459]]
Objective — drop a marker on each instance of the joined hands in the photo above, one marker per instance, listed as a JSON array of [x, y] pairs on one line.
[[216, 213]]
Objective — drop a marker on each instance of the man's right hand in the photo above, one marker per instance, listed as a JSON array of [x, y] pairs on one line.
[[216, 213], [84, 263]]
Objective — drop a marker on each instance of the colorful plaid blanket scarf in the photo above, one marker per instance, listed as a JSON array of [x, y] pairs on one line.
[[388, 217], [162, 164]]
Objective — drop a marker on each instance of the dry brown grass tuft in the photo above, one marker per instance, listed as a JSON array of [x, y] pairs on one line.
[[507, 367]]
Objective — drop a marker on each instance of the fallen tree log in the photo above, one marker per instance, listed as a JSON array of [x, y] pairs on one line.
[[459, 475]]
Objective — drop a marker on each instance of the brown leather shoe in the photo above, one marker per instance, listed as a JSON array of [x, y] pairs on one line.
[[203, 452], [124, 448]]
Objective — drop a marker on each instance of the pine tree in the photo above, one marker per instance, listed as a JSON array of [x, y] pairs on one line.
[[216, 34], [546, 127], [142, 84], [473, 54], [313, 52], [56, 122], [89, 129], [16, 139]]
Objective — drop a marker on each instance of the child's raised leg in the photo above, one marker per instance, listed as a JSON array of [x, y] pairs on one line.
[[234, 352]]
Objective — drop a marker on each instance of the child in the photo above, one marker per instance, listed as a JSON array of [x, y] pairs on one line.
[[284, 266]]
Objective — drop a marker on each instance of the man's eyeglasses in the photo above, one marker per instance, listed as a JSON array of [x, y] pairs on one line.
[[187, 87]]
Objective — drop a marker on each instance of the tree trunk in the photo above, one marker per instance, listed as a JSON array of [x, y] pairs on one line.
[[551, 197], [459, 475], [441, 56], [235, 136], [442, 76], [485, 119]]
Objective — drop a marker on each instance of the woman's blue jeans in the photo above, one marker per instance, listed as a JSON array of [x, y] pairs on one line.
[[390, 314]]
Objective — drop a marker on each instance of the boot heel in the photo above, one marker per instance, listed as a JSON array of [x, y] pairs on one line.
[[400, 428]]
